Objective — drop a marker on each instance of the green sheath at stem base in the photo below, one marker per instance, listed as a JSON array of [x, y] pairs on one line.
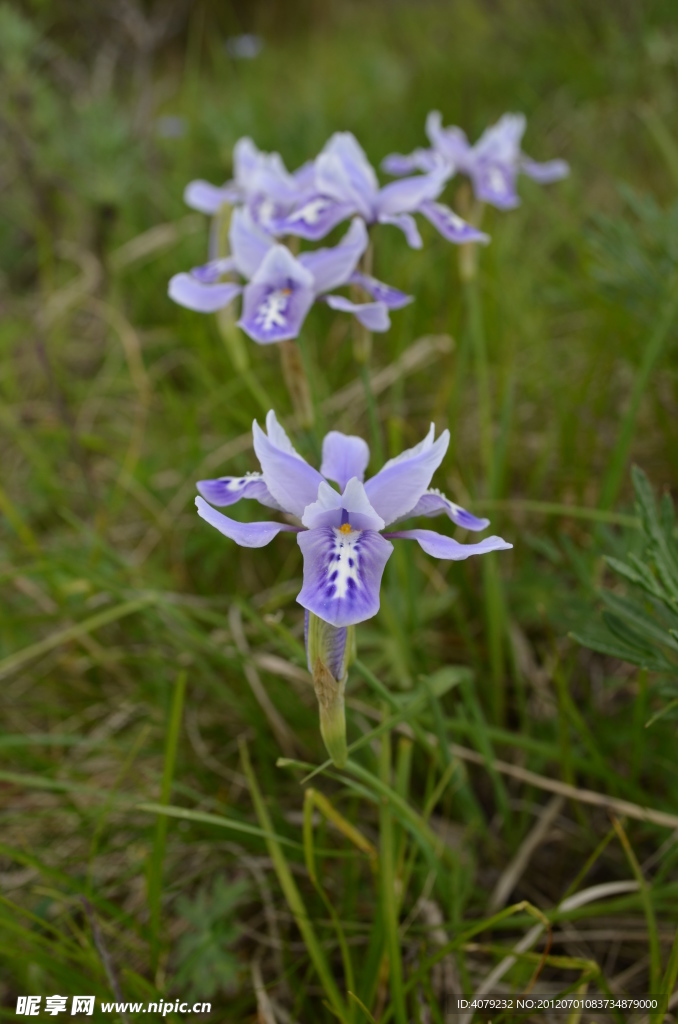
[[330, 694]]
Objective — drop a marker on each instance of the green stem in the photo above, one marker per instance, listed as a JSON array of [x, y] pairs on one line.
[[492, 590], [479, 348], [617, 466], [309, 425], [362, 351], [372, 415]]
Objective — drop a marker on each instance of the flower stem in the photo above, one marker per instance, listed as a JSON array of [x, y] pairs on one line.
[[372, 415], [297, 383], [362, 350], [495, 615], [237, 350]]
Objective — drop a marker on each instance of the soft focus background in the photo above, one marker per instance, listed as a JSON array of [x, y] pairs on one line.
[[141, 651]]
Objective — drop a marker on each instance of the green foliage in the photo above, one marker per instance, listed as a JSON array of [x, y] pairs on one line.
[[635, 252], [206, 964], [641, 626]]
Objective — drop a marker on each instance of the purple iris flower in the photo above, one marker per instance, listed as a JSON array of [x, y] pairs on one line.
[[281, 288], [492, 164], [261, 182], [341, 530], [346, 184]]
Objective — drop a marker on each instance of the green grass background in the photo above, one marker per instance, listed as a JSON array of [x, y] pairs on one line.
[[140, 650]]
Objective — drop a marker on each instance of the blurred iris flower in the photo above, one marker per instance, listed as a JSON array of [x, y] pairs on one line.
[[344, 183], [261, 182], [492, 164], [281, 288], [340, 530]]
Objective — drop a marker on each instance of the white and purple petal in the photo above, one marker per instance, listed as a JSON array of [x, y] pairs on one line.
[[352, 507], [278, 298], [313, 218], [187, 291], [495, 183], [391, 297], [289, 478], [500, 143], [333, 267], [399, 485], [207, 198], [344, 456], [434, 503], [227, 490], [342, 573], [359, 171], [450, 143], [450, 225], [247, 535], [210, 272], [406, 195], [439, 546], [249, 243], [399, 164], [246, 156], [372, 315], [408, 226], [544, 173]]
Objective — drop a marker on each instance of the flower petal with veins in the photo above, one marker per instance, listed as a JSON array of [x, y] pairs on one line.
[[342, 573]]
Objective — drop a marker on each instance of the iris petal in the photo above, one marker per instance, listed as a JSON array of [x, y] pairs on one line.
[[342, 573], [439, 546], [397, 488], [247, 535]]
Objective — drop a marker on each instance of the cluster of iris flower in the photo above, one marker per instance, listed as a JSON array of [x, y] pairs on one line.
[[344, 531]]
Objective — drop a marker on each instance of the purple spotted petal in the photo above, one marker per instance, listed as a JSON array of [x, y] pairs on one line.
[[407, 225], [342, 573], [495, 183], [398, 164], [313, 218], [450, 225], [226, 490], [332, 267], [289, 478], [439, 546], [391, 297], [544, 173], [372, 315], [344, 456], [249, 244], [203, 298], [247, 535], [433, 503], [397, 488], [277, 300], [407, 195], [207, 198], [334, 509]]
